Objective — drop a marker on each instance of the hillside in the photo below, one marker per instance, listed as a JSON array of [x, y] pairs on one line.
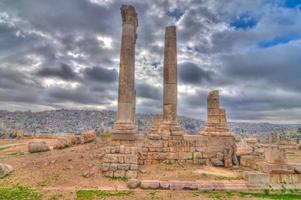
[[76, 121]]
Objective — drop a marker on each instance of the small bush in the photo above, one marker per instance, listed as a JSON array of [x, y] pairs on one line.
[[104, 135]]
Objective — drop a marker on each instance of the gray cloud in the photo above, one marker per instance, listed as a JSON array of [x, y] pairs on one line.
[[64, 72], [148, 91], [190, 73], [101, 74], [257, 83]]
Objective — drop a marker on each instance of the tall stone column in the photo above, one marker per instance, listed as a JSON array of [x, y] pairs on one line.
[[170, 77], [125, 127]]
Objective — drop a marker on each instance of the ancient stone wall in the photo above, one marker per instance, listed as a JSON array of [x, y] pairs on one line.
[[122, 160]]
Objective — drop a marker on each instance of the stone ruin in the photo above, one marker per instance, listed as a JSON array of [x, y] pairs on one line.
[[166, 141], [217, 121]]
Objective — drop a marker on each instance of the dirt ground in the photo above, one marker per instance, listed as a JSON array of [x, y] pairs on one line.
[[69, 170], [188, 172]]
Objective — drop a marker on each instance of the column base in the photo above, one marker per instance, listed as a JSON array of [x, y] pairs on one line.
[[125, 131], [172, 129]]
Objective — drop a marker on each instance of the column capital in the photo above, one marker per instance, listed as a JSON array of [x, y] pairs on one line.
[[129, 15]]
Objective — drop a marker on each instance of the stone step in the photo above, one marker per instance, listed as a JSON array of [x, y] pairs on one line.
[[195, 185]]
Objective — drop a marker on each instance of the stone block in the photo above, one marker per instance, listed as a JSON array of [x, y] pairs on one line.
[[275, 155], [123, 166], [134, 150], [130, 159], [154, 143], [204, 186], [133, 183], [256, 178], [164, 185], [183, 185], [119, 173], [110, 158], [150, 184], [154, 136], [132, 174], [127, 150], [281, 178], [185, 155], [197, 155], [113, 167], [172, 156], [243, 149], [134, 167], [5, 170], [105, 167], [122, 149], [216, 162], [250, 161], [108, 173], [34, 147]]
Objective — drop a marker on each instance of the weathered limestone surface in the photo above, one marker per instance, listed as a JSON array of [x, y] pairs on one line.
[[120, 161], [124, 127], [217, 121], [275, 161], [256, 179], [275, 155], [170, 76], [35, 147], [5, 170]]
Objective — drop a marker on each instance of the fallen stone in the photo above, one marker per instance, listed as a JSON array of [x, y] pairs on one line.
[[150, 184], [243, 148], [62, 143], [5, 170], [216, 162], [87, 137], [133, 183], [297, 169], [183, 185], [34, 147], [256, 179], [164, 185], [220, 156], [86, 174]]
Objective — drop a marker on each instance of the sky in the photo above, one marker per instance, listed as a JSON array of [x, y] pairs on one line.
[[66, 55]]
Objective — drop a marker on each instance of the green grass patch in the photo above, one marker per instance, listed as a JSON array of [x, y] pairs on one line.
[[19, 193], [92, 194], [104, 134], [248, 195], [271, 196]]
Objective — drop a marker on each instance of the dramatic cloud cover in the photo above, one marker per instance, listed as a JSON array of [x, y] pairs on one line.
[[66, 55]]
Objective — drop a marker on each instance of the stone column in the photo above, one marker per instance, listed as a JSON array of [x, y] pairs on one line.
[[170, 77], [217, 121], [124, 127]]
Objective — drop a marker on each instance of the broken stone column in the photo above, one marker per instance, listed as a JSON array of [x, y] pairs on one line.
[[217, 121], [125, 127], [275, 161], [275, 155], [170, 77]]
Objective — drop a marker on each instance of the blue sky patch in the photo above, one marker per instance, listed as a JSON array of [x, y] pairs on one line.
[[176, 13], [292, 3], [244, 21], [278, 40]]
